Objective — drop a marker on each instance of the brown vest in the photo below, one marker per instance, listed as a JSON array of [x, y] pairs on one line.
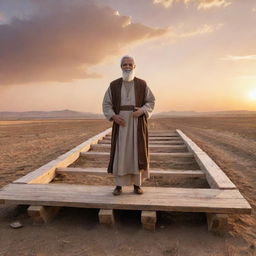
[[142, 133]]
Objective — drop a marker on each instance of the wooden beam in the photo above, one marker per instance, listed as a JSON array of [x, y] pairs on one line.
[[152, 148], [106, 217], [148, 220], [46, 173], [153, 172], [214, 175], [217, 223], [97, 146], [42, 214], [153, 199], [152, 155], [155, 139], [175, 142]]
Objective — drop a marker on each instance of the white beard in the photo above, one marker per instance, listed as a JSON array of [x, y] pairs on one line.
[[128, 75]]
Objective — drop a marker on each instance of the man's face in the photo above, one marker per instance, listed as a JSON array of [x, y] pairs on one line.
[[127, 65]]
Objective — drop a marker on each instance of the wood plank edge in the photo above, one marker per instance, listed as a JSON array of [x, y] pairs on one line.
[[212, 182], [61, 161]]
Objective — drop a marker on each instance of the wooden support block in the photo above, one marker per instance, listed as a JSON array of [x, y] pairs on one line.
[[106, 217], [217, 223], [148, 220], [42, 214]]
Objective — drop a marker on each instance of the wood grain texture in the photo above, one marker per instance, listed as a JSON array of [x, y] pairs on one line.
[[214, 175], [46, 173], [152, 155], [153, 199], [153, 172], [173, 142]]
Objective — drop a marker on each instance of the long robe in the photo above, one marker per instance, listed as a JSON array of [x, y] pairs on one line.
[[125, 166]]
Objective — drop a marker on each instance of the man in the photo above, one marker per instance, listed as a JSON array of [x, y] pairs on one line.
[[128, 102]]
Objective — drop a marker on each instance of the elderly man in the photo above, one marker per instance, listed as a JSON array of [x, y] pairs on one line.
[[128, 102]]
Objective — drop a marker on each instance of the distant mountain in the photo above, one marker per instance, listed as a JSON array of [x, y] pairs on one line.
[[70, 114], [61, 114], [174, 113]]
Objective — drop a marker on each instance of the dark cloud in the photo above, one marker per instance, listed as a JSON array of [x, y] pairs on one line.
[[59, 42]]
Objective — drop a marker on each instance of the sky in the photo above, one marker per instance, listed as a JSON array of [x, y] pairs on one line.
[[195, 55]]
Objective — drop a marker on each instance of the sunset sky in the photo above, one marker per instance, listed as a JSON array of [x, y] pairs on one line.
[[194, 54]]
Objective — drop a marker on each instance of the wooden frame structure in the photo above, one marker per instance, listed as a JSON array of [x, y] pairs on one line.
[[221, 198]]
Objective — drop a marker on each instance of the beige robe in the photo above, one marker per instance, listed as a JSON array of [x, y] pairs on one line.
[[125, 166]]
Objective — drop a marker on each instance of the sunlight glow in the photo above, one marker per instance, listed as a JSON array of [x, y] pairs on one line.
[[252, 94]]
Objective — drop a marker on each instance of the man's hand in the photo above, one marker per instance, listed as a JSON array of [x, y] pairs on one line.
[[138, 112], [118, 119]]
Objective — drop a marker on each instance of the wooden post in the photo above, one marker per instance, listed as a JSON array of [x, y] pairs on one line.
[[42, 214], [217, 223], [148, 220], [106, 217]]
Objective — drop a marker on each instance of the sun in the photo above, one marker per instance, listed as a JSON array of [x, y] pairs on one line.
[[252, 94]]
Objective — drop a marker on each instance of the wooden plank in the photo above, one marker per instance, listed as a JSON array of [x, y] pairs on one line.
[[217, 223], [153, 199], [152, 148], [42, 214], [148, 220], [106, 217], [97, 146], [161, 132], [175, 142], [157, 134], [153, 155], [156, 139], [153, 172], [214, 175], [46, 173]]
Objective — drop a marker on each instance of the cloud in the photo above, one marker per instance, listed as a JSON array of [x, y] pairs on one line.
[[207, 4], [237, 58], [201, 4], [61, 42], [204, 29]]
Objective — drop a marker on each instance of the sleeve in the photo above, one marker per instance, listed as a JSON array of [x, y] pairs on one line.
[[150, 103], [107, 106]]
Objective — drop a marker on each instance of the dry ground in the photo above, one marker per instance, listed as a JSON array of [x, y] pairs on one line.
[[26, 145]]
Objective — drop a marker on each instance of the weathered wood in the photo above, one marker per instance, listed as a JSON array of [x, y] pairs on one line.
[[42, 214], [152, 148], [156, 139], [107, 145], [153, 156], [106, 217], [217, 223], [153, 172], [214, 175], [174, 142], [154, 198], [46, 173], [148, 220], [155, 135], [153, 138]]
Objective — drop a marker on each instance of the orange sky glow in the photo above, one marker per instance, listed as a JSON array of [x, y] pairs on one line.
[[194, 54]]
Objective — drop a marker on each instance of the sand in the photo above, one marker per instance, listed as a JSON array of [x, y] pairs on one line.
[[25, 146]]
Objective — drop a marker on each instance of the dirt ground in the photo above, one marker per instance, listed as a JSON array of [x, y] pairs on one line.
[[26, 145]]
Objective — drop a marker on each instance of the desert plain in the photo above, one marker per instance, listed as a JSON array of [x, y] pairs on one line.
[[29, 144]]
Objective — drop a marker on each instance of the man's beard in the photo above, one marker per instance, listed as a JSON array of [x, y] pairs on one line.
[[128, 75]]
